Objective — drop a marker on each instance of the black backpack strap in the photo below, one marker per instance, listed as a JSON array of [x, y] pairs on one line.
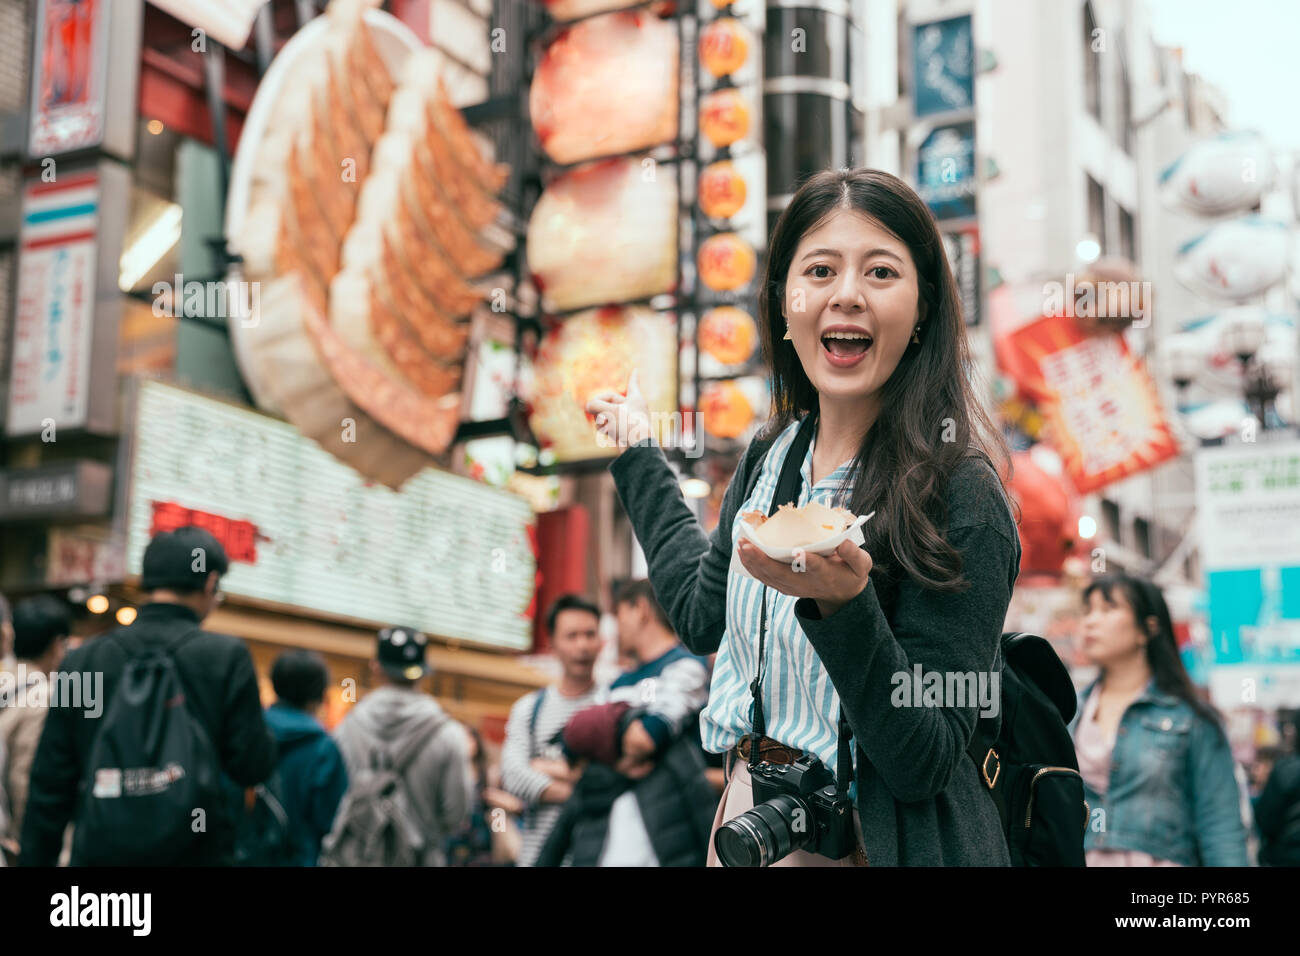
[[787, 492]]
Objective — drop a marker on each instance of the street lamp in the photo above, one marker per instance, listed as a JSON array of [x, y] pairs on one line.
[[1243, 333], [1184, 357]]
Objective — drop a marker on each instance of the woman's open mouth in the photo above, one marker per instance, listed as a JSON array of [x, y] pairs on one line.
[[846, 349]]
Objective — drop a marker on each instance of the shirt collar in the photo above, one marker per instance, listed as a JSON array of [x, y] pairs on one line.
[[161, 611]]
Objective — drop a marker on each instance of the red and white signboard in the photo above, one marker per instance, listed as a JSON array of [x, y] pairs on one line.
[[69, 76], [1101, 407], [49, 380]]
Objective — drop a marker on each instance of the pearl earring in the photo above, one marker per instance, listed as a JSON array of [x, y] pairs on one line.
[[916, 339]]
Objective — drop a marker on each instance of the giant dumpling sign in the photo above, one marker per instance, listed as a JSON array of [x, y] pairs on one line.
[[593, 351], [605, 86], [604, 233]]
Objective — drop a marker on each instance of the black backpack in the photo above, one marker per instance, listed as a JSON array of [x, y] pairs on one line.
[[152, 766], [263, 834], [1030, 769], [1027, 762]]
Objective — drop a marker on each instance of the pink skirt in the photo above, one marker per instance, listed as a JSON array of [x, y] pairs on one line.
[[739, 797]]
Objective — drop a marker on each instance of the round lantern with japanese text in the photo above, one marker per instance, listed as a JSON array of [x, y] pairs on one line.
[[728, 334], [724, 117], [726, 262], [722, 190], [724, 46]]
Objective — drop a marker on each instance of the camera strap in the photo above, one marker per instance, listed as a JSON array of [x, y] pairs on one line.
[[787, 492]]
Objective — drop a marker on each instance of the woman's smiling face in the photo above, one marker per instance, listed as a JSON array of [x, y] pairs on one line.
[[851, 303]]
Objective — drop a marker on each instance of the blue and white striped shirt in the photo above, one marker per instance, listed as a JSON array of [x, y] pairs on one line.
[[800, 705]]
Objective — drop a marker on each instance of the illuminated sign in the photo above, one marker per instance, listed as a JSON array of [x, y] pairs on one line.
[[448, 555]]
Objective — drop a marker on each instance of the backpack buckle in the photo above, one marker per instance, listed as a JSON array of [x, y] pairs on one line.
[[984, 768]]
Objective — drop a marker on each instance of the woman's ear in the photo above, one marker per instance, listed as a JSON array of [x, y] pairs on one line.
[[1153, 626]]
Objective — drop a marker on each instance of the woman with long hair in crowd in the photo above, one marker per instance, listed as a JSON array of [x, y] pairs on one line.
[[865, 344], [1157, 769]]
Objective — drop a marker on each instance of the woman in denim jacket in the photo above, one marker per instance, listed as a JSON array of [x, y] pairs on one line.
[[1155, 761]]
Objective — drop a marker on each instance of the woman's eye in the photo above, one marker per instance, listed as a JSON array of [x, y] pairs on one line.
[[826, 276], [888, 272]]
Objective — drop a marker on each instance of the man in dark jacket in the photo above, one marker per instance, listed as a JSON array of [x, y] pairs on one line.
[[181, 575], [313, 777], [1277, 812]]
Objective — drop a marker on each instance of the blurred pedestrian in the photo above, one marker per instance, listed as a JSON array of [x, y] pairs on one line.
[[40, 626], [1277, 812], [1157, 768], [643, 798], [532, 760], [310, 777], [490, 837], [409, 782], [6, 636], [176, 814]]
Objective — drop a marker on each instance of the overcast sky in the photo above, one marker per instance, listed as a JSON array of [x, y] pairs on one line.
[[1250, 49]]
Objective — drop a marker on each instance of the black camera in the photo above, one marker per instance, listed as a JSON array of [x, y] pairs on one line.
[[796, 807]]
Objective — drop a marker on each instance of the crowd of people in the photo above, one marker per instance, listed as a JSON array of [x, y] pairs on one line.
[[589, 775]]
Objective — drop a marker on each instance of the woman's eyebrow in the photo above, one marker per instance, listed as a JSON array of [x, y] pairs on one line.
[[838, 255]]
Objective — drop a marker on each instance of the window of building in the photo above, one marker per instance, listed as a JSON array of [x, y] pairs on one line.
[[1127, 235], [1142, 536], [1110, 519], [1125, 120], [1097, 212], [1092, 38]]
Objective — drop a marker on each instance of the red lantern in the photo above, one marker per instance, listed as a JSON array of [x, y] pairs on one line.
[[726, 262], [724, 46], [1049, 519], [724, 117], [722, 190]]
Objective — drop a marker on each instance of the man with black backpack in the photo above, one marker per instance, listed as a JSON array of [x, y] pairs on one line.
[[409, 782], [141, 780]]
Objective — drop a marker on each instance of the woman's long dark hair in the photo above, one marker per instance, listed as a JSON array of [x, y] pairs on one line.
[[1166, 665], [902, 468]]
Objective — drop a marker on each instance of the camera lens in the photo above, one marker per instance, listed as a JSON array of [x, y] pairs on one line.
[[765, 834]]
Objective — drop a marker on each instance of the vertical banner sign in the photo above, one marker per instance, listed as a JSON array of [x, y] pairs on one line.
[[50, 377], [945, 171], [1248, 509], [943, 62], [1101, 408], [963, 248], [69, 75]]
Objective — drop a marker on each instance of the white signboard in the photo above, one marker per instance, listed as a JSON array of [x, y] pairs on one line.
[[444, 554], [1248, 505], [227, 21], [50, 375]]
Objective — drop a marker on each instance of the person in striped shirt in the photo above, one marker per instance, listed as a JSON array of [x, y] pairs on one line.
[[867, 351], [532, 762]]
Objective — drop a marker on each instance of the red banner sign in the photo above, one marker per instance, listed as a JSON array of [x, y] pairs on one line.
[[239, 538], [1100, 406]]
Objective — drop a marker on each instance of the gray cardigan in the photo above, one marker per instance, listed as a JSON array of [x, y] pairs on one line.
[[919, 795]]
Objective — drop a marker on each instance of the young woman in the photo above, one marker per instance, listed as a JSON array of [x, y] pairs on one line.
[[862, 330], [1153, 756]]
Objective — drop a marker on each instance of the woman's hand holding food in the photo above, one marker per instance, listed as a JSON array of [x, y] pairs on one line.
[[623, 420], [832, 580]]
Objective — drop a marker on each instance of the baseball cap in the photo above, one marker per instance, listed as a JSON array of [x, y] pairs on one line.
[[182, 560], [401, 652]]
